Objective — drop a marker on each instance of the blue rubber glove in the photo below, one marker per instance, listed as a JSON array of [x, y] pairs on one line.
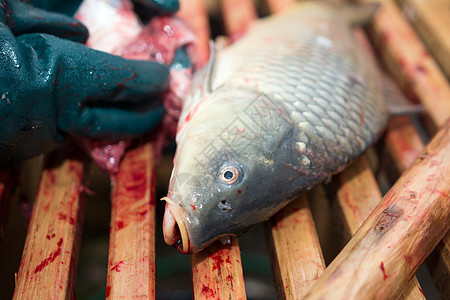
[[51, 86]]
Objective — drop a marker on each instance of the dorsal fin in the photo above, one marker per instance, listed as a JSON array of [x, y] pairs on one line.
[[359, 13]]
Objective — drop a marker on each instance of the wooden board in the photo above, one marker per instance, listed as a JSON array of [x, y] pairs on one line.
[[398, 235], [431, 19], [297, 260], [50, 256], [131, 262], [217, 272]]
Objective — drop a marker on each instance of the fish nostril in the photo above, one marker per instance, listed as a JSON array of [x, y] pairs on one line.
[[224, 206]]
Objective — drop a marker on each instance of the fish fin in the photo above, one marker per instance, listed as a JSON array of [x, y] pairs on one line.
[[203, 76], [396, 101], [359, 13]]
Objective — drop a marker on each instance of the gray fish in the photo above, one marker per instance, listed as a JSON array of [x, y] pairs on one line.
[[283, 108]]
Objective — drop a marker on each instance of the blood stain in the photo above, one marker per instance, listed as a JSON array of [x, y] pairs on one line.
[[108, 291], [193, 206], [116, 267], [119, 225], [51, 258], [383, 270], [217, 263]]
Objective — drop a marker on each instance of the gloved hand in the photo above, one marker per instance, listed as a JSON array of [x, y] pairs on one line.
[[146, 9], [52, 86]]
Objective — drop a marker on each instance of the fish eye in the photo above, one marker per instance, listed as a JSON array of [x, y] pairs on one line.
[[229, 174]]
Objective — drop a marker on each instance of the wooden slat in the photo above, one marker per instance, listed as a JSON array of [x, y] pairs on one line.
[[217, 272], [431, 19], [49, 261], [357, 196], [278, 6], [398, 235], [358, 193], [439, 263], [6, 184], [409, 61], [194, 12], [297, 259], [131, 269], [237, 16]]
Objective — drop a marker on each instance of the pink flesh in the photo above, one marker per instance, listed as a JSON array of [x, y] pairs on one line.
[[114, 28]]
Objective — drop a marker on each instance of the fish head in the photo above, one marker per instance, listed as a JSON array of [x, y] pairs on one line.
[[223, 169]]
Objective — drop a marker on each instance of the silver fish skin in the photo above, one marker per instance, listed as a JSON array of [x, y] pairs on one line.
[[290, 103]]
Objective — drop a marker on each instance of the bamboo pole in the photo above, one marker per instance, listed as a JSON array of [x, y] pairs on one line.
[[297, 259], [431, 19], [131, 268], [398, 235], [409, 61], [358, 193], [217, 272], [49, 260], [357, 196]]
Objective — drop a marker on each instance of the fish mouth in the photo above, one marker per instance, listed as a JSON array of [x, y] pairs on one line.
[[174, 229]]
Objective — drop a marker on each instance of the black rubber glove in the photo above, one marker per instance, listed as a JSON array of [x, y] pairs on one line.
[[51, 86]]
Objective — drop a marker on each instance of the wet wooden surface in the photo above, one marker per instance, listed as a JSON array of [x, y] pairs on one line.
[[131, 262], [398, 235], [431, 19], [49, 260], [296, 256], [217, 272], [50, 253]]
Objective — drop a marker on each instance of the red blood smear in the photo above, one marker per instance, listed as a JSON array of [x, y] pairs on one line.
[[383, 270], [52, 177], [119, 225], [108, 291], [116, 266], [217, 262], [229, 278], [51, 258], [61, 216], [193, 206], [206, 289]]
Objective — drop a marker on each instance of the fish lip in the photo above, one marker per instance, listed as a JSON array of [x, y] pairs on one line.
[[174, 228]]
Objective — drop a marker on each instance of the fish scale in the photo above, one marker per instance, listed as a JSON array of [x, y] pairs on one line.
[[290, 103]]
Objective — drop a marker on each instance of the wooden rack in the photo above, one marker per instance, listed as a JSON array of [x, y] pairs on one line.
[[49, 260]]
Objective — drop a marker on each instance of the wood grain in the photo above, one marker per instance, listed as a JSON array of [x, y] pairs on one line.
[[431, 19], [398, 235], [237, 16], [131, 267], [49, 260], [6, 184], [217, 272], [357, 196], [296, 256], [410, 62]]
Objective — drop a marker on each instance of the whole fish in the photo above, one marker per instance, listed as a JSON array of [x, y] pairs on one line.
[[283, 108]]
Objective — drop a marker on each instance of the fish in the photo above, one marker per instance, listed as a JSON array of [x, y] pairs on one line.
[[115, 28], [273, 114]]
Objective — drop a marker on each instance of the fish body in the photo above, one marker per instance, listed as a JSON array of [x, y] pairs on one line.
[[287, 105]]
